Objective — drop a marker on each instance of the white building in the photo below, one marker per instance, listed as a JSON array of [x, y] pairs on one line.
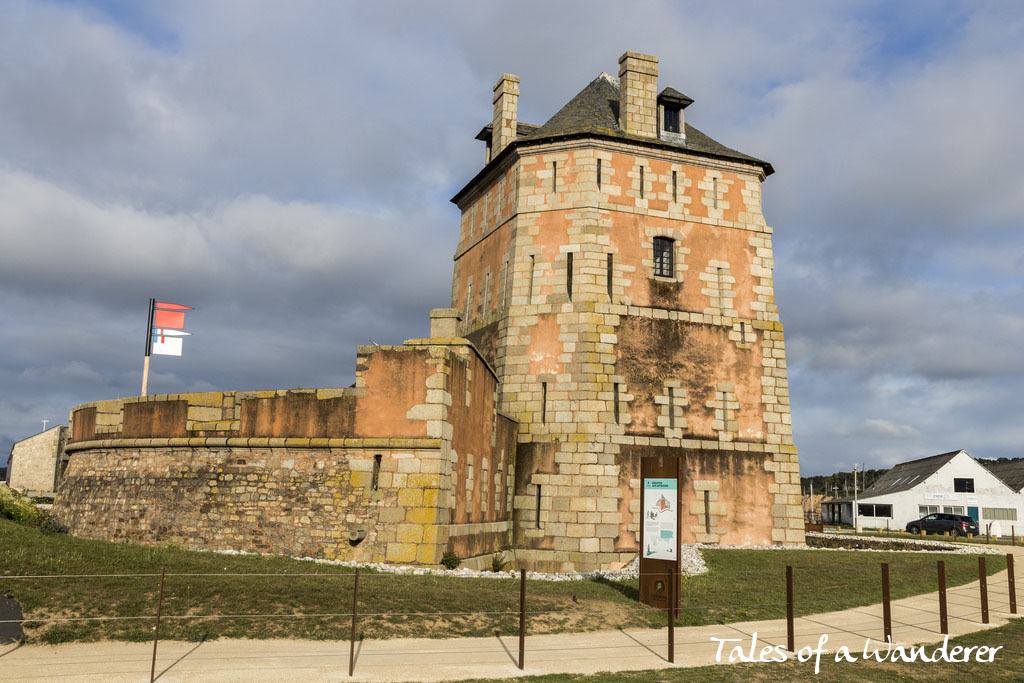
[[953, 483]]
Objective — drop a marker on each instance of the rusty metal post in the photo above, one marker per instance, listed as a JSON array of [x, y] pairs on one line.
[[352, 638], [156, 629], [988, 535], [1012, 584], [943, 615], [790, 633], [522, 619], [983, 580], [672, 619], [886, 608], [1013, 535]]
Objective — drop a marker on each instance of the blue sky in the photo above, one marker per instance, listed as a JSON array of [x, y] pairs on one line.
[[268, 163]]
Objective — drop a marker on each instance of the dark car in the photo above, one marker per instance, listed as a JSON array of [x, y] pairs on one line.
[[956, 525]]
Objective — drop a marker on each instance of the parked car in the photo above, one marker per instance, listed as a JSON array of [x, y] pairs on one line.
[[956, 525]]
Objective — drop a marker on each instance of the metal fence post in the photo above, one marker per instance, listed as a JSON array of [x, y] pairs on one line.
[[886, 611], [156, 629], [983, 580], [522, 618], [672, 619], [943, 616], [790, 633], [352, 639], [1012, 584]]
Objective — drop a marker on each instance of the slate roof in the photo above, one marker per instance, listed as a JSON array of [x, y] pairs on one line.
[[1011, 472], [522, 130], [595, 110], [907, 475], [672, 95]]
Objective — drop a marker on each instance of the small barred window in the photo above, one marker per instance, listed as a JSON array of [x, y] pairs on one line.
[[664, 266]]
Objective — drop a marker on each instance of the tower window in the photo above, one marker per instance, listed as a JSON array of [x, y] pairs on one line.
[[672, 120], [641, 182], [376, 472], [664, 265], [675, 187], [568, 275], [611, 273], [599, 174]]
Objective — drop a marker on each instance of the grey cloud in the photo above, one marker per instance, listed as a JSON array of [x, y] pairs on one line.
[[286, 169]]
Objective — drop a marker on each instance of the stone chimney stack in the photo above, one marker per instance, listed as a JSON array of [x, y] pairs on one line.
[[506, 105], [638, 94]]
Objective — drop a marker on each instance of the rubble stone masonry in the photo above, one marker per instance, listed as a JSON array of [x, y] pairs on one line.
[[412, 461]]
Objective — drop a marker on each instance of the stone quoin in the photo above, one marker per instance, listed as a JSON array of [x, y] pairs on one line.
[[612, 300]]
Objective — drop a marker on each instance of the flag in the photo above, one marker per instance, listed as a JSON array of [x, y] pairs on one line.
[[167, 328], [167, 342]]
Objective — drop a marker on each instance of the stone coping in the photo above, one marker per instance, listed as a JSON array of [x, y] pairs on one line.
[[256, 442]]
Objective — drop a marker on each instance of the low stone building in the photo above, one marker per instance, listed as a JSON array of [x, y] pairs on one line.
[[36, 463], [612, 305]]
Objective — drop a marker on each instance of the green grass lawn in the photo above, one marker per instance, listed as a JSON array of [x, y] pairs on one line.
[[741, 584], [1008, 665], [1005, 540]]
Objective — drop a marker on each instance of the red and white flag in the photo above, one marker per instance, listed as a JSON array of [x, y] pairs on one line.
[[168, 328]]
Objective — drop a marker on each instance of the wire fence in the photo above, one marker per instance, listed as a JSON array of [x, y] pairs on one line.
[[517, 601]]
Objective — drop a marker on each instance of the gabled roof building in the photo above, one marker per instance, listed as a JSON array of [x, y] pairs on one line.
[[948, 483]]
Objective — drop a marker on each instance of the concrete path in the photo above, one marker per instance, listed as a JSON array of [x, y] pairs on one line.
[[915, 620]]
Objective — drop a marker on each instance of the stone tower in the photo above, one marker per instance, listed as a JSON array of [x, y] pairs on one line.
[[615, 268]]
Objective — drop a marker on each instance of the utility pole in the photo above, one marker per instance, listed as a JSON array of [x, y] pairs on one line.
[[855, 511]]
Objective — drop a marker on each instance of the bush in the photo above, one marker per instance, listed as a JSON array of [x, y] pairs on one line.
[[450, 560], [20, 509], [499, 563]]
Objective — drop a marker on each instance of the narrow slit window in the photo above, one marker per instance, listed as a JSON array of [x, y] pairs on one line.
[[568, 275], [664, 265], [671, 408], [554, 175], [615, 402], [641, 182], [611, 272], [714, 183], [599, 174], [533, 267], [375, 481], [675, 186], [538, 506], [508, 284], [543, 402], [707, 511], [469, 300]]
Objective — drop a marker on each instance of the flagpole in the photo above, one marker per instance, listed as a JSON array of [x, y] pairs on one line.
[[149, 344]]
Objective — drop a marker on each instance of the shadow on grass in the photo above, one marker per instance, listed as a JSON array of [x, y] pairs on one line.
[[631, 592]]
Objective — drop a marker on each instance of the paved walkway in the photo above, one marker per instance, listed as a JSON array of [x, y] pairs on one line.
[[915, 620]]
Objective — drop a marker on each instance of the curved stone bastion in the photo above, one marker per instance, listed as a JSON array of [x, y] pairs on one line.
[[412, 460]]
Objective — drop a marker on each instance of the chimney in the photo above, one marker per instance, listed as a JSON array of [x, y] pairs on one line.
[[638, 94], [506, 105], [444, 322]]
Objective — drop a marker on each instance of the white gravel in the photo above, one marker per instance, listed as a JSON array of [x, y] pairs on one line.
[[692, 565]]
